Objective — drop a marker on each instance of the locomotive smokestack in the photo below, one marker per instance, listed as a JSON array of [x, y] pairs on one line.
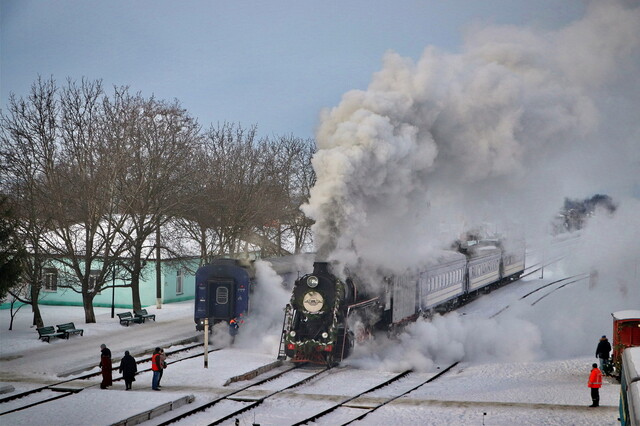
[[320, 268]]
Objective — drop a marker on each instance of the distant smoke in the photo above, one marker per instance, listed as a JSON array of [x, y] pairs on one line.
[[500, 133]]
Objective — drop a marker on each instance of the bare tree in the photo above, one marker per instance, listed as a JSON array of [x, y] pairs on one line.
[[220, 210], [157, 159], [291, 164], [28, 139], [248, 191], [302, 180], [81, 189], [95, 178]]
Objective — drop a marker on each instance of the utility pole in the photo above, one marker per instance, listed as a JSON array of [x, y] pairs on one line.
[[158, 269], [206, 342]]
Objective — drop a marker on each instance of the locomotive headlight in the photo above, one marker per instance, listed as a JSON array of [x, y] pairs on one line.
[[313, 302], [312, 281], [292, 333], [325, 335]]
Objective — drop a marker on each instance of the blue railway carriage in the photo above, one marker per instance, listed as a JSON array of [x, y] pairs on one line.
[[483, 267], [513, 262], [222, 291], [443, 281], [400, 299], [630, 387]]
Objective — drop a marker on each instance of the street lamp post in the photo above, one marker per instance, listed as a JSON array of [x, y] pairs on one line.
[[113, 292]]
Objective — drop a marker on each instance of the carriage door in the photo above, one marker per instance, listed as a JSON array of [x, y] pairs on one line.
[[221, 299]]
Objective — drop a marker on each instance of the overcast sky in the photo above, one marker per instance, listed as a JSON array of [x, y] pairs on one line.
[[274, 64]]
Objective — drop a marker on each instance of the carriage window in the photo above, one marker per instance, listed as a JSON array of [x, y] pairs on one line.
[[222, 295]]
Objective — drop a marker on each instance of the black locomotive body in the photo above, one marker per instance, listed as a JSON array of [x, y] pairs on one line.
[[317, 317]]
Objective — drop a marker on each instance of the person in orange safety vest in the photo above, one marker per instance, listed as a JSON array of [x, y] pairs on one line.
[[156, 366], [595, 382]]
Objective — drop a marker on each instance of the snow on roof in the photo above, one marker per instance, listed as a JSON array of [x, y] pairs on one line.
[[626, 315]]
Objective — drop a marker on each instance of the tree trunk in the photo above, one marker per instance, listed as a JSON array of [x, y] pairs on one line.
[[135, 292], [35, 308], [13, 313], [87, 304]]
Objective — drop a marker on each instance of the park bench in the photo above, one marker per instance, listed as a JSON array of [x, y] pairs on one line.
[[143, 314], [126, 318], [69, 328], [46, 333]]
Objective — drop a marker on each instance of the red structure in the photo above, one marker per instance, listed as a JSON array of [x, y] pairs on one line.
[[626, 333]]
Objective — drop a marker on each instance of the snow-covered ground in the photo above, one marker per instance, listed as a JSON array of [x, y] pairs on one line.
[[508, 374]]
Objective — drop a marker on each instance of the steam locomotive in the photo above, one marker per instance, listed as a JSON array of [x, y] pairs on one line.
[[327, 315]]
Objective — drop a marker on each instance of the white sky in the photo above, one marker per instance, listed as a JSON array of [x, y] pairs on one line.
[[274, 64]]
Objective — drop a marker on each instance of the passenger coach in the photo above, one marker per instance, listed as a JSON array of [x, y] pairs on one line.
[[630, 387], [222, 291]]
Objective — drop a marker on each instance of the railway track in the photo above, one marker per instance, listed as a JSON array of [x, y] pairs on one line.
[[341, 409], [51, 392], [561, 283], [239, 400]]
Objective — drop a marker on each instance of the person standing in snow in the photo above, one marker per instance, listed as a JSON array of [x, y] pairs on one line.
[[105, 365], [234, 326], [128, 368], [156, 366], [595, 382], [233, 329], [602, 351], [163, 362]]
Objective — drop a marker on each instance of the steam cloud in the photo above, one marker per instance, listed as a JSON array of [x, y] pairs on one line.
[[499, 133], [260, 331], [506, 129]]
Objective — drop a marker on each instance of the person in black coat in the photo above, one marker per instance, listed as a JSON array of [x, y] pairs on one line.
[[602, 351], [128, 368]]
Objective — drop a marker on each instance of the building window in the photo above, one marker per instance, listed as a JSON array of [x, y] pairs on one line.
[[50, 279], [179, 281], [94, 275]]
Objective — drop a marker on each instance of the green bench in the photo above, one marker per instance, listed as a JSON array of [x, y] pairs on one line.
[[69, 328], [126, 318], [144, 315], [46, 333]]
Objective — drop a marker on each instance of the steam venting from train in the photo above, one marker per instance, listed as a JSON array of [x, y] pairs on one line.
[[508, 127]]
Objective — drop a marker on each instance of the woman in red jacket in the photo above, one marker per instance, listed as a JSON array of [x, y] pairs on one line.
[[595, 382]]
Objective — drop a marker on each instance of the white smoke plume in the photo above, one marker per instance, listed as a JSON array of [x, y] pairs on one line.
[[500, 132], [260, 331]]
